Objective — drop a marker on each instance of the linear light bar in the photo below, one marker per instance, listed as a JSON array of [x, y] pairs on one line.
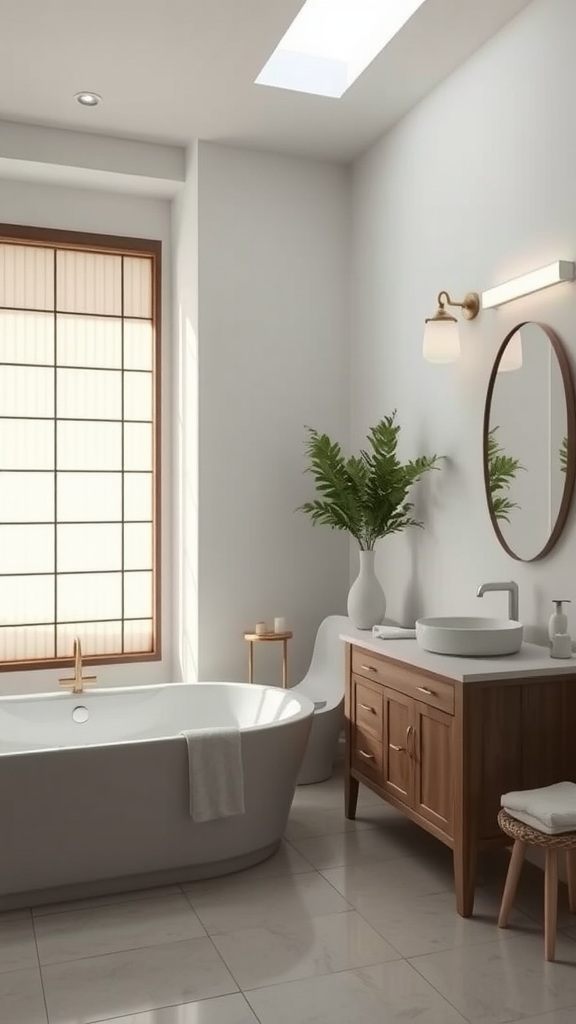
[[331, 42], [554, 273]]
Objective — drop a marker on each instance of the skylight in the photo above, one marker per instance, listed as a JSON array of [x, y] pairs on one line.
[[331, 42]]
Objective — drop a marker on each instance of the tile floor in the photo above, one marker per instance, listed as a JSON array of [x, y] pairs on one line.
[[350, 923]]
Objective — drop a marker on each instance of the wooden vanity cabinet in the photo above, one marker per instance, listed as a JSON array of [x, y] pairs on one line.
[[443, 751]]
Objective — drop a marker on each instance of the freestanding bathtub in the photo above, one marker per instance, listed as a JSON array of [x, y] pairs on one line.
[[94, 787]]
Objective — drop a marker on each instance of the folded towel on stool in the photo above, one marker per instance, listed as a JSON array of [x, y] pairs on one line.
[[550, 809]]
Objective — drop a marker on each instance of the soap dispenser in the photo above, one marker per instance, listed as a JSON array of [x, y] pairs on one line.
[[558, 621]]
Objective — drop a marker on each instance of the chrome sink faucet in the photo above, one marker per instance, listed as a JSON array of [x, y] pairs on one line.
[[512, 589]]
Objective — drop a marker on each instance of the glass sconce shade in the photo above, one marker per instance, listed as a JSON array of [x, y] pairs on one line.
[[441, 341]]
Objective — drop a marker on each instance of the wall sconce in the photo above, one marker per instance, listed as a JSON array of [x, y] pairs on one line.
[[441, 335], [554, 273]]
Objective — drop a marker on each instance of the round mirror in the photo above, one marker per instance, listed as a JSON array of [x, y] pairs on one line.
[[529, 441]]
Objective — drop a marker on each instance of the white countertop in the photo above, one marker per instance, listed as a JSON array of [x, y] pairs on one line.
[[531, 660]]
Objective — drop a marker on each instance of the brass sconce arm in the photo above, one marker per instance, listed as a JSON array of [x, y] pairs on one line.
[[470, 304]]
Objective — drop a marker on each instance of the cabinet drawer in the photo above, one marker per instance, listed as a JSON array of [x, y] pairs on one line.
[[436, 693], [368, 708], [369, 665], [366, 754]]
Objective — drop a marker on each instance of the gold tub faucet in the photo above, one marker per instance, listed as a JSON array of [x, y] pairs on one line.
[[78, 680]]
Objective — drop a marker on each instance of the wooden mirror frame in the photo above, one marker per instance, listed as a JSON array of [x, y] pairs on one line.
[[570, 398]]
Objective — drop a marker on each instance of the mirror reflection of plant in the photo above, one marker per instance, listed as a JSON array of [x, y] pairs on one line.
[[364, 494], [502, 471], [564, 455]]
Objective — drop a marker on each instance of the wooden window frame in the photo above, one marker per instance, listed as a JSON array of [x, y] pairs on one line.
[[126, 246]]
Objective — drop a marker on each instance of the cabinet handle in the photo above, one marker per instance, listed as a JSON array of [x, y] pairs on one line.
[[409, 736], [369, 757], [424, 689], [368, 668], [365, 707], [399, 749]]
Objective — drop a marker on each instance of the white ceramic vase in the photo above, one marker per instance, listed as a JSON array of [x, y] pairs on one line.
[[366, 600]]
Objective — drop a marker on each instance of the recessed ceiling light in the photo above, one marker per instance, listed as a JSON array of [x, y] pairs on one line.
[[331, 42], [88, 99]]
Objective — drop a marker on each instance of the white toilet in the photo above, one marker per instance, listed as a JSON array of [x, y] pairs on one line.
[[324, 684]]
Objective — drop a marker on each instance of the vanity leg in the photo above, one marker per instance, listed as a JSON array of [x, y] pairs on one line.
[[465, 868], [351, 786]]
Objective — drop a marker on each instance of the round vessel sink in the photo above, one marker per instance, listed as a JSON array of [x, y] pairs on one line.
[[468, 636]]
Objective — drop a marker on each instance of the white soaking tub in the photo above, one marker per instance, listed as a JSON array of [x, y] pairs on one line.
[[94, 787]]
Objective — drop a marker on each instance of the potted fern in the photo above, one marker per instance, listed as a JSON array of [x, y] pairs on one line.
[[365, 495]]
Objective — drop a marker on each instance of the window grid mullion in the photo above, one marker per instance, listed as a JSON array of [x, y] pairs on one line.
[[53, 313], [55, 371], [122, 589]]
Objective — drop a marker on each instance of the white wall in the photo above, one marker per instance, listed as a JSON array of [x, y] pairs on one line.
[[273, 356], [185, 419], [474, 187], [109, 213]]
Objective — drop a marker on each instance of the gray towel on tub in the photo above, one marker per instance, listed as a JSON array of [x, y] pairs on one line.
[[215, 773]]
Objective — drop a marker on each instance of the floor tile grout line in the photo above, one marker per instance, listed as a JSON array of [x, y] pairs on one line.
[[63, 909], [303, 855], [125, 949], [441, 994], [325, 974], [154, 1009], [40, 968]]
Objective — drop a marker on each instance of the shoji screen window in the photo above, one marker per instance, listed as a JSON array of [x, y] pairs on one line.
[[79, 440]]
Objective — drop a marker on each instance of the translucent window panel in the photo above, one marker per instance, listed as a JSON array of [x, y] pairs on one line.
[[138, 286], [26, 337], [138, 636], [97, 638], [84, 597], [137, 595], [138, 552], [26, 391], [88, 341], [89, 445], [138, 345], [26, 276], [26, 599], [26, 548], [89, 547], [89, 394], [138, 396], [26, 497], [26, 643], [88, 282], [88, 497], [138, 446], [138, 496], [26, 444]]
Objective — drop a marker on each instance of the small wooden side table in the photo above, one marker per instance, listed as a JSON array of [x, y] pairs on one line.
[[252, 638]]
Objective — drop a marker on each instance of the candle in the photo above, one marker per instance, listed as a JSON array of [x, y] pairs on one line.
[[561, 646], [260, 628], [279, 625]]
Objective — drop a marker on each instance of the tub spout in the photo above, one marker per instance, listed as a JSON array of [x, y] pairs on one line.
[[78, 680]]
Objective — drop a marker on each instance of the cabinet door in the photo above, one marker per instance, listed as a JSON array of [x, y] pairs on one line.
[[397, 733], [433, 766]]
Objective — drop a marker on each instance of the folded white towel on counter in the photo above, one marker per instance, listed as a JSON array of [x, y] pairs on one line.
[[215, 773], [393, 633], [550, 809]]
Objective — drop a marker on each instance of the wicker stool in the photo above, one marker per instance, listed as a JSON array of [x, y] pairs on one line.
[[523, 836]]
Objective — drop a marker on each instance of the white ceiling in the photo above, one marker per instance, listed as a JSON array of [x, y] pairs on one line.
[[175, 70]]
